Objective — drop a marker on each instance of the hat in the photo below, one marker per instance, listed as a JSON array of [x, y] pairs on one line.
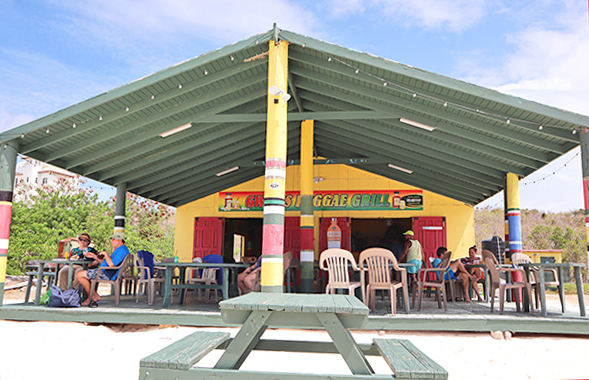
[[118, 235], [409, 232]]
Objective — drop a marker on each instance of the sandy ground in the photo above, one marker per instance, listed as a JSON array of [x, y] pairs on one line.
[[31, 350], [62, 350]]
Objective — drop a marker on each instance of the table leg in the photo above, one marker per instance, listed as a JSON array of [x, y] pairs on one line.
[[245, 340], [526, 299], [168, 288], [580, 293], [181, 282], [225, 283], [345, 344], [39, 285], [542, 291], [561, 288]]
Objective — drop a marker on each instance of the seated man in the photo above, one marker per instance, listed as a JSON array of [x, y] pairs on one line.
[[458, 272], [120, 251], [78, 253], [246, 280]]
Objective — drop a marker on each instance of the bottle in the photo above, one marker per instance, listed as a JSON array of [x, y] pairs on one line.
[[228, 201], [396, 200], [175, 259], [334, 235]]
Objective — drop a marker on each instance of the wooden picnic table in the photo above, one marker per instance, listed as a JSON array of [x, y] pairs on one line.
[[561, 267], [255, 312], [229, 271]]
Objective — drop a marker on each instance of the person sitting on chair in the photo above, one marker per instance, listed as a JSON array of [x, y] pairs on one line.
[[457, 271], [78, 253], [478, 273], [246, 280], [120, 251]]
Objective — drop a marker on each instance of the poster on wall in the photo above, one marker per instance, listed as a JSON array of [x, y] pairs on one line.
[[387, 200]]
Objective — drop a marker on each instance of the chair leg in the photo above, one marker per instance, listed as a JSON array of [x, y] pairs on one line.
[[393, 297], [444, 298], [419, 295], [501, 300]]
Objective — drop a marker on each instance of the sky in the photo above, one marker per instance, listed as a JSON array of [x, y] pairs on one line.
[[57, 53]]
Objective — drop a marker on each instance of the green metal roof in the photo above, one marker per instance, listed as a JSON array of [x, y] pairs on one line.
[[356, 100]]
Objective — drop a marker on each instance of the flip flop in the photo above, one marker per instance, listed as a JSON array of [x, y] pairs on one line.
[[93, 304]]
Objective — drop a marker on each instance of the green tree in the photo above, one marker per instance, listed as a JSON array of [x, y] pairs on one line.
[[44, 215]]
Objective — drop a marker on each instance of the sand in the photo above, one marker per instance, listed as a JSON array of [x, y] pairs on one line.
[[63, 350]]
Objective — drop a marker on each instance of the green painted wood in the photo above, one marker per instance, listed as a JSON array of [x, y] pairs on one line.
[[345, 344], [184, 353], [245, 341], [407, 361], [434, 79], [213, 373]]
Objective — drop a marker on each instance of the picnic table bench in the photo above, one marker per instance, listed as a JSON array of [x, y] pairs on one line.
[[337, 314]]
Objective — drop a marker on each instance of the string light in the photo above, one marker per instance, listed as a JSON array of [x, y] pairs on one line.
[[74, 125], [445, 102], [554, 172]]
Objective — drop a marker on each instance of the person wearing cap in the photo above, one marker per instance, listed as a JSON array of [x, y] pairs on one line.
[[78, 253], [414, 254], [120, 251]]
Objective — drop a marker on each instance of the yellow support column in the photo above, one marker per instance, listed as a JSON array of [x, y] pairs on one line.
[[274, 185], [307, 220]]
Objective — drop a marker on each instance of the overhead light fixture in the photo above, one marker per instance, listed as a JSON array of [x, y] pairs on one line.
[[417, 124], [227, 171], [400, 169], [176, 130], [273, 90]]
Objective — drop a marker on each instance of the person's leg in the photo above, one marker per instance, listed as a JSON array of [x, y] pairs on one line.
[[240, 284], [250, 280], [62, 277], [76, 283], [464, 279], [84, 278]]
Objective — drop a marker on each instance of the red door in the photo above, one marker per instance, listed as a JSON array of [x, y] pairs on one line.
[[344, 224], [430, 231], [292, 236], [208, 237]]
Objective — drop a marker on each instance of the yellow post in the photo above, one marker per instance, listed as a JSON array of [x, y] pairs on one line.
[[307, 220], [274, 185]]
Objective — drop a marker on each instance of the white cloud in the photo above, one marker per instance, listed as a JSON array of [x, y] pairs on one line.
[[548, 63], [453, 15], [160, 21]]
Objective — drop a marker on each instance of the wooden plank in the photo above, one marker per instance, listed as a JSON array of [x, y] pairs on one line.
[[407, 361], [185, 352]]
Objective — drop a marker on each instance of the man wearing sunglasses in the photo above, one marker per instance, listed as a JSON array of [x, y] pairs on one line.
[[78, 253], [120, 251]]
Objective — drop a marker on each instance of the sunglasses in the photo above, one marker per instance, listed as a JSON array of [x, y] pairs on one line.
[[86, 240]]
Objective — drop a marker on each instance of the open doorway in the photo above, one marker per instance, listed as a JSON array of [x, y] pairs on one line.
[[243, 235], [366, 233]]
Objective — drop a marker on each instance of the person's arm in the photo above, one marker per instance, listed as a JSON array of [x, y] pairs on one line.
[[405, 249]]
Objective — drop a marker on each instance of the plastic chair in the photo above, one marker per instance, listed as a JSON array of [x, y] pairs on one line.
[[379, 277], [337, 262], [494, 269], [146, 279], [522, 258], [117, 282], [434, 278], [205, 276]]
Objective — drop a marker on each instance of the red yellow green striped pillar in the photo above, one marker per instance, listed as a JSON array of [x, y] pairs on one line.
[[584, 139], [505, 218], [272, 278], [513, 213], [120, 202], [7, 172], [307, 220]]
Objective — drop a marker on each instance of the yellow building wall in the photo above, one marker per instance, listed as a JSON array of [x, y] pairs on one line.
[[459, 216]]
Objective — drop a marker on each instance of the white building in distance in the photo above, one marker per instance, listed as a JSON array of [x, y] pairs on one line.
[[34, 172]]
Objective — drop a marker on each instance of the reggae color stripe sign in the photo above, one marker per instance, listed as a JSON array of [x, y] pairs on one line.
[[388, 200]]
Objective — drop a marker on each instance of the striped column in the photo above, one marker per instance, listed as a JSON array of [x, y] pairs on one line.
[[272, 278], [584, 139], [307, 220], [513, 213], [505, 218], [120, 202], [7, 172]]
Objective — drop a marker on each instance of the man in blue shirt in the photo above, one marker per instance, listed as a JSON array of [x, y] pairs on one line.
[[120, 251]]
